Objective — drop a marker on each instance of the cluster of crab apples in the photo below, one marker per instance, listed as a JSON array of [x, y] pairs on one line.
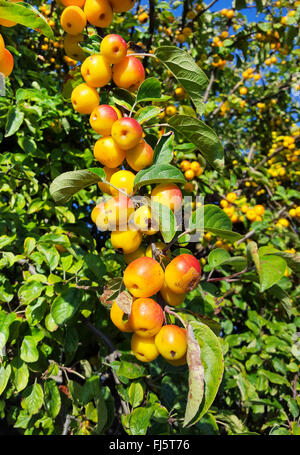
[[153, 279], [147, 281]]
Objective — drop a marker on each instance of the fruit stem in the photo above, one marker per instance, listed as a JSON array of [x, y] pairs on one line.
[[168, 310]]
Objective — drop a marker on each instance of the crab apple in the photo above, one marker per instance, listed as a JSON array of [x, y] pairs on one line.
[[117, 318], [167, 194], [170, 297], [121, 6], [71, 47], [127, 132], [143, 221], [98, 12], [102, 119], [96, 71], [139, 253], [2, 47], [108, 153], [105, 187], [178, 362], [73, 20], [126, 241], [146, 317], [182, 274], [129, 73], [6, 63], [119, 113], [143, 348], [117, 211], [79, 3], [97, 210], [171, 342], [123, 180], [113, 48], [143, 277], [140, 156], [84, 98]]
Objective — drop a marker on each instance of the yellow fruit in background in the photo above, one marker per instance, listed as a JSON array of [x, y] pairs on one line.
[[259, 209], [189, 174], [231, 197], [251, 214], [224, 203]]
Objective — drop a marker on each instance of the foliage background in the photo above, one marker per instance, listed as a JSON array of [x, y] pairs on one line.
[[55, 262]]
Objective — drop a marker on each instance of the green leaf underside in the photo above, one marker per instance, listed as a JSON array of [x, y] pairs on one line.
[[186, 71], [25, 15], [67, 184], [201, 135], [196, 377], [213, 363]]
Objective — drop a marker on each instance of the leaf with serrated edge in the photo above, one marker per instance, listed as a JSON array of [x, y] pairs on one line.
[[200, 134], [186, 71], [196, 377]]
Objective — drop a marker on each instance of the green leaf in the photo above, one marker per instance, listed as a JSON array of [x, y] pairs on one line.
[[136, 394], [20, 374], [123, 98], [271, 269], [33, 399], [30, 291], [158, 173], [5, 321], [196, 377], [146, 113], [67, 184], [186, 71], [52, 398], [4, 377], [130, 368], [217, 257], [149, 90], [292, 260], [29, 245], [213, 363], [70, 344], [283, 298], [25, 15], [65, 306], [15, 117], [205, 139], [164, 149], [166, 220], [140, 420], [29, 352]]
